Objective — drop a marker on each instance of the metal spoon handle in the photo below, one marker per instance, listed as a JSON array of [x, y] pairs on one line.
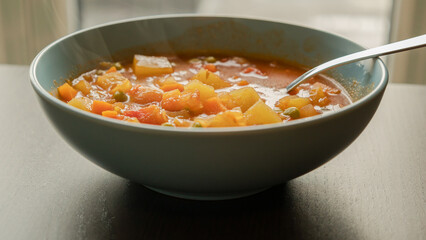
[[411, 43]]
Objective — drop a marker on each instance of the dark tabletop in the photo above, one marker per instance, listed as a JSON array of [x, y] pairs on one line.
[[375, 189]]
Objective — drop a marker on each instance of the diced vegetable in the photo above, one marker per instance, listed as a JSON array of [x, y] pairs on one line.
[[66, 92], [142, 94], [99, 106], [150, 115], [112, 114], [210, 67], [111, 69], [318, 96], [227, 100], [308, 111], [192, 101], [182, 122], [292, 101], [292, 112], [171, 101], [109, 81], [205, 90], [211, 79], [168, 84], [83, 86], [120, 96], [82, 103], [124, 86], [245, 97], [242, 83], [260, 113], [327, 89], [230, 118], [213, 106], [151, 66]]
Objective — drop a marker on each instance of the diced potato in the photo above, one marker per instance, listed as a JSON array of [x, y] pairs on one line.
[[151, 65], [83, 86], [230, 118], [131, 119], [227, 100], [171, 101], [245, 97], [192, 101], [66, 92], [211, 79], [318, 96], [205, 90], [110, 80], [142, 94], [292, 101], [124, 86], [184, 113], [182, 122], [82, 103], [260, 113], [327, 89], [308, 111]]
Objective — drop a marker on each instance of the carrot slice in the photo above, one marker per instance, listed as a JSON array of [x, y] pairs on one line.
[[172, 86], [111, 69], [213, 106], [100, 106], [210, 67], [66, 92]]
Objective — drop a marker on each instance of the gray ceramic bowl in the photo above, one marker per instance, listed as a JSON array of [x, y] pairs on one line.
[[208, 163]]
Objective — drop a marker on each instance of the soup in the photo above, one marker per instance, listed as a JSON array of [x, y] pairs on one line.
[[203, 91]]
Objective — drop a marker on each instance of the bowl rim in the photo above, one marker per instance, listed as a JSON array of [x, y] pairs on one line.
[[211, 131]]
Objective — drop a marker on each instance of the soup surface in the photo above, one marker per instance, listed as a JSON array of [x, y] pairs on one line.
[[204, 91]]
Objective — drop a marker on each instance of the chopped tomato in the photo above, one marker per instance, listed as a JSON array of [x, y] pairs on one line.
[[142, 94], [172, 101], [213, 106], [150, 115]]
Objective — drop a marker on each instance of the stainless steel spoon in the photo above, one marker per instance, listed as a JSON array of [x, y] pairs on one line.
[[411, 43]]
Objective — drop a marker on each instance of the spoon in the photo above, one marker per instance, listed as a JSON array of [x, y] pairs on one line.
[[411, 43]]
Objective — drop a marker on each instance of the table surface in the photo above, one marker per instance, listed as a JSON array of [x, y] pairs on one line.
[[375, 189]]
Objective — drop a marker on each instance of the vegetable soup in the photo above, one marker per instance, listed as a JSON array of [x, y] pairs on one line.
[[204, 91]]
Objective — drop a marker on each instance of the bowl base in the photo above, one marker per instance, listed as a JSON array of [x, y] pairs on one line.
[[207, 196]]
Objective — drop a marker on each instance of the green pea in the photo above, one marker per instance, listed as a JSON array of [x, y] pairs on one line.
[[197, 125], [120, 96], [167, 124], [293, 112], [210, 59]]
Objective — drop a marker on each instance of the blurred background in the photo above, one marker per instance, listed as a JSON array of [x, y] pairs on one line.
[[27, 26]]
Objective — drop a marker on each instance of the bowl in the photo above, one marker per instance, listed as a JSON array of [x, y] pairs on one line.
[[219, 163]]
